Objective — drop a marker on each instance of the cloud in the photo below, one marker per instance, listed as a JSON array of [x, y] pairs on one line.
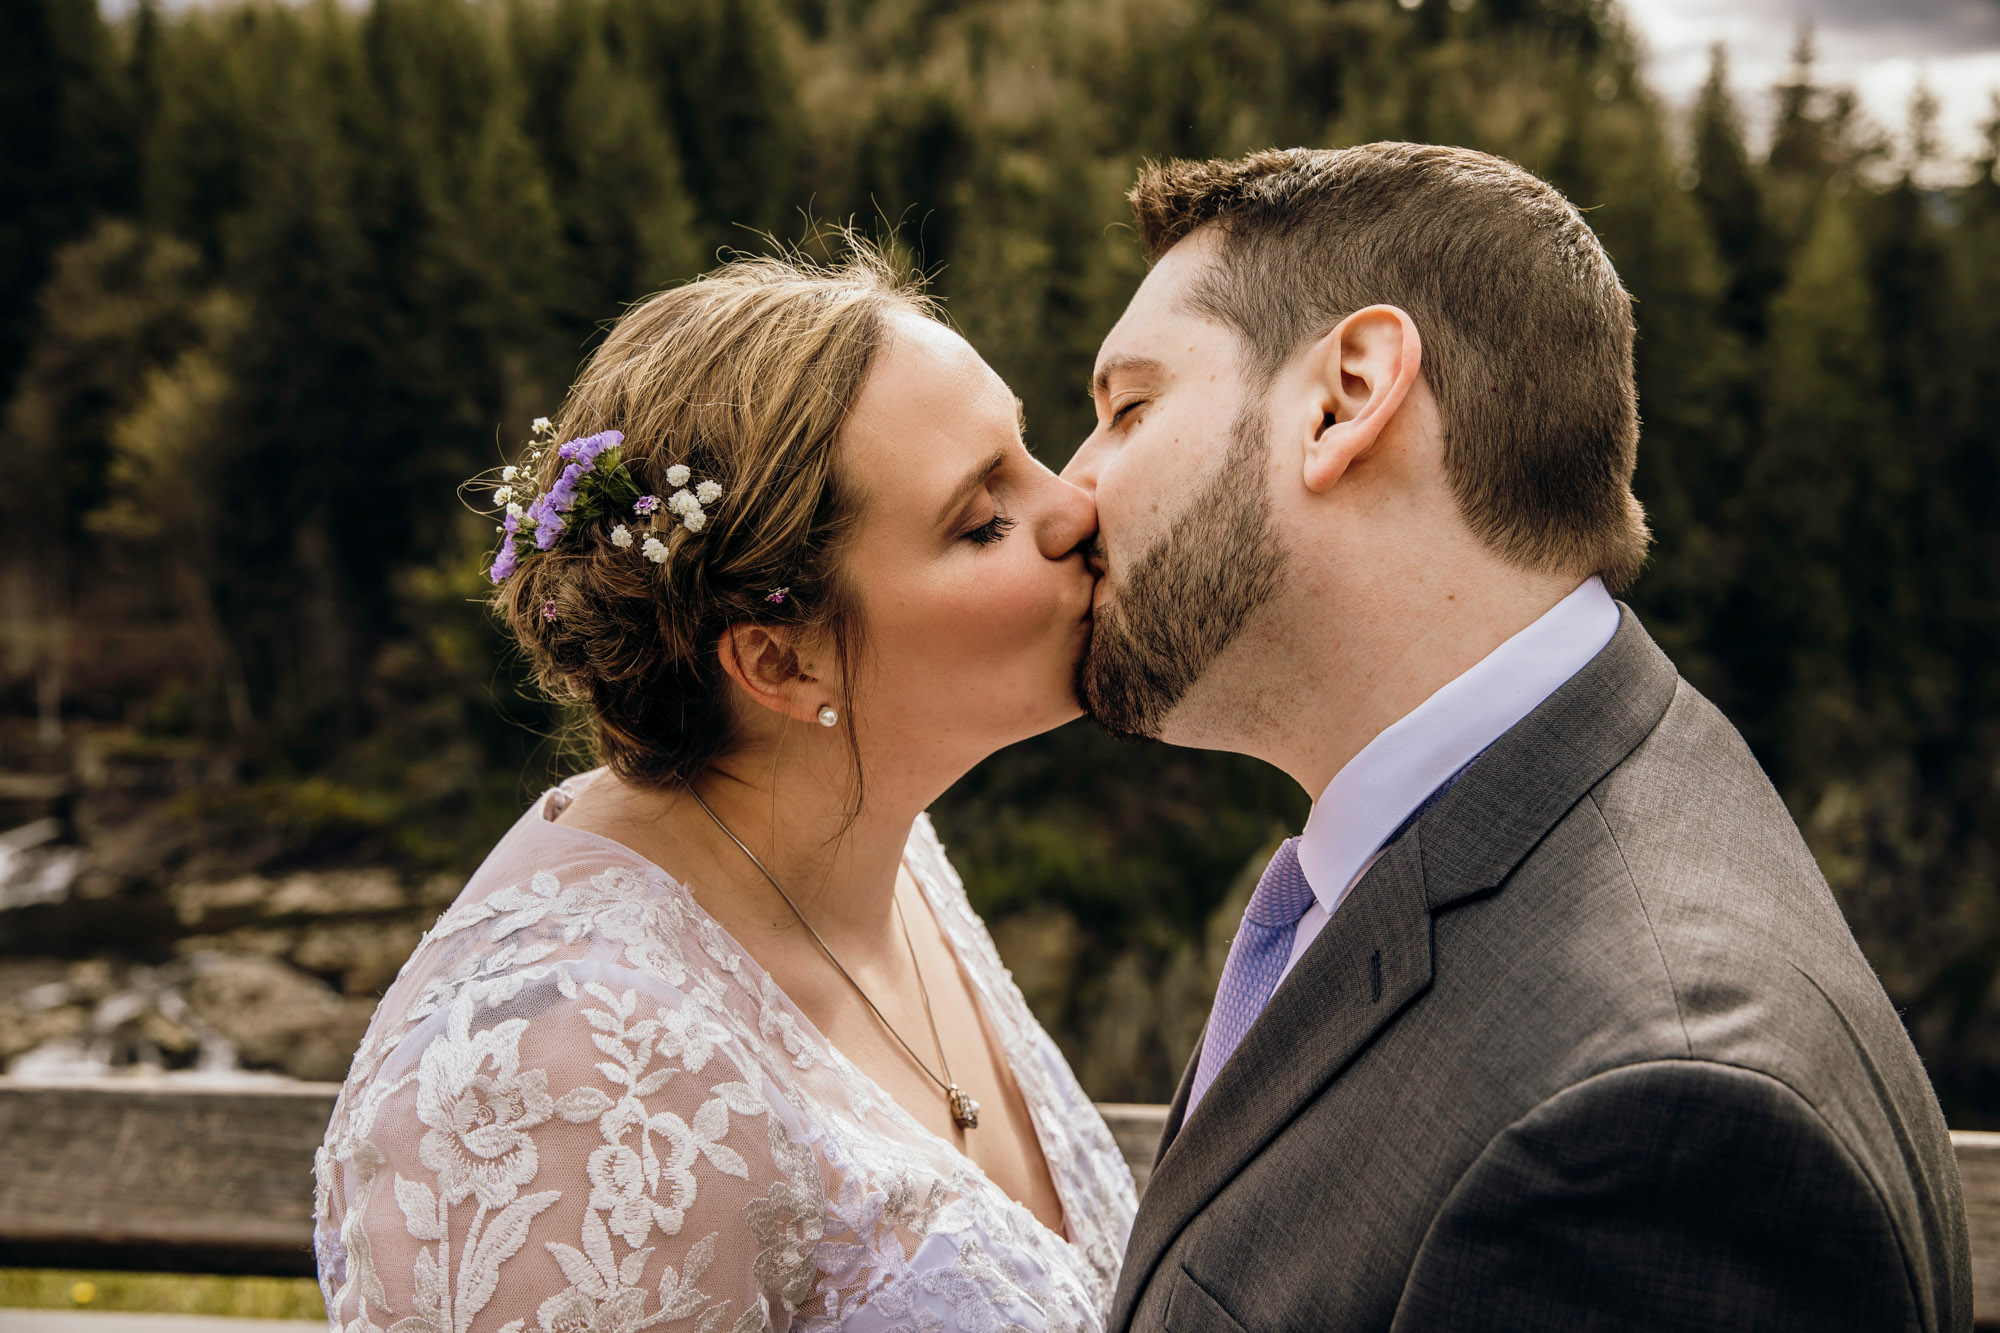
[[1881, 48]]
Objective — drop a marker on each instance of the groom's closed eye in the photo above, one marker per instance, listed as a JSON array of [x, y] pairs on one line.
[[1143, 368]]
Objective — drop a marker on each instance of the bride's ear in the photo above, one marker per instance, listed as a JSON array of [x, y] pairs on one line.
[[768, 664]]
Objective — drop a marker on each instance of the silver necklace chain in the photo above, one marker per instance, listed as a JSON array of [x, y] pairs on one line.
[[964, 1110]]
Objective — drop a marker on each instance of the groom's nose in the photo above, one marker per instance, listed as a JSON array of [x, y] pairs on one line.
[[1082, 468], [1072, 519]]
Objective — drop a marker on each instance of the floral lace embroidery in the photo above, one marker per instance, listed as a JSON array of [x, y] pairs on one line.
[[583, 1107]]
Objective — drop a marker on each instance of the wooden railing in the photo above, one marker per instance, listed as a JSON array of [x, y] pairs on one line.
[[172, 1178]]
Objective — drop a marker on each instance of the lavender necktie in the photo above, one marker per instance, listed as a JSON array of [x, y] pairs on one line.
[[1256, 960]]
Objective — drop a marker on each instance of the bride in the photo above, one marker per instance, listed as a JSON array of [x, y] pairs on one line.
[[713, 1040]]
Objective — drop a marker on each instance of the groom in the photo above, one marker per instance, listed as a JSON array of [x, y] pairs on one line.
[[1547, 1019]]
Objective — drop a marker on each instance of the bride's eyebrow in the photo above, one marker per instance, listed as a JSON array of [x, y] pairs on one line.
[[972, 482]]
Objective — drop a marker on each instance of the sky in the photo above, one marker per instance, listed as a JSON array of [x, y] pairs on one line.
[[1880, 48]]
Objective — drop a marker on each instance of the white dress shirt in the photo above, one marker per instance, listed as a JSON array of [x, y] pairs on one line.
[[1397, 771]]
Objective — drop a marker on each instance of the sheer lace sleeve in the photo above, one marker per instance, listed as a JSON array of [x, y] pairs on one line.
[[583, 1107], [578, 1149]]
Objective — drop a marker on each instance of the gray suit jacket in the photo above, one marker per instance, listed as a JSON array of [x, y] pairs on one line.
[[1590, 1047]]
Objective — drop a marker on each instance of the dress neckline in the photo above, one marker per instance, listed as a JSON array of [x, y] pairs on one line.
[[542, 815]]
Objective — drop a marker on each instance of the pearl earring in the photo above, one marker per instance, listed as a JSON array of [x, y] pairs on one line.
[[827, 717]]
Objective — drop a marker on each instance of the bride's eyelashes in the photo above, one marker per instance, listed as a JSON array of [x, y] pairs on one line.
[[992, 530], [1119, 415]]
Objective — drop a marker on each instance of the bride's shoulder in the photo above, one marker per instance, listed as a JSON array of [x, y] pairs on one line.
[[550, 909]]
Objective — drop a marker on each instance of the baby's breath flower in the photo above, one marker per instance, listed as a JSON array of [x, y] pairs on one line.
[[543, 426], [509, 472], [514, 508], [621, 537], [682, 502], [504, 494], [677, 475], [695, 520], [656, 550], [708, 492]]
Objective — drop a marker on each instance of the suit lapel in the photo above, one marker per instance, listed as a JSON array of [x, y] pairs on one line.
[[1373, 958], [1177, 1110]]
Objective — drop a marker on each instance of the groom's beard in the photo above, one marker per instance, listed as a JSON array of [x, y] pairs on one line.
[[1187, 598]]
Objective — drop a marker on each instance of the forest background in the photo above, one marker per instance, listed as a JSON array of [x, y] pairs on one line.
[[274, 278]]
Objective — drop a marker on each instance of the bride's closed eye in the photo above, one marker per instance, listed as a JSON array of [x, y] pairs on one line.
[[992, 530]]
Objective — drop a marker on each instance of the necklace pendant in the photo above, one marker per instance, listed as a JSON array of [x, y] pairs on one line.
[[964, 1111]]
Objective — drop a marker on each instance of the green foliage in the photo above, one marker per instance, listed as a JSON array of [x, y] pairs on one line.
[[161, 1293], [300, 268]]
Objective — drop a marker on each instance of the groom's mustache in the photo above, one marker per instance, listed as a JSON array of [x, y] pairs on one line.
[[1093, 551]]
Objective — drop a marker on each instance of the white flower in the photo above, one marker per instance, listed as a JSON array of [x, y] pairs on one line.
[[621, 537], [682, 502], [571, 1311], [504, 494], [708, 492], [479, 1140], [677, 475], [688, 1037], [694, 520], [515, 508], [656, 550], [618, 1184], [509, 472], [543, 426]]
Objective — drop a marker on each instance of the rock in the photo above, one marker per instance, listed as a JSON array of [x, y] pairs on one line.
[[196, 901], [271, 941], [440, 891], [277, 1016], [367, 955], [328, 893], [338, 893], [23, 1032]]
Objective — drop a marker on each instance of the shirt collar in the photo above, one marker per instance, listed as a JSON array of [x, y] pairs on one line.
[[1379, 788]]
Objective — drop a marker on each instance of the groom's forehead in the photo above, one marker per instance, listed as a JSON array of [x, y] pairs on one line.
[[1164, 331], [1154, 331]]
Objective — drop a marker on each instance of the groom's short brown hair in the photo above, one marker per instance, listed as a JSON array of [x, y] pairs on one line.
[[1527, 331]]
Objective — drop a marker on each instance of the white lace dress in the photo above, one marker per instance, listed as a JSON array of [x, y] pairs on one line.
[[582, 1106]]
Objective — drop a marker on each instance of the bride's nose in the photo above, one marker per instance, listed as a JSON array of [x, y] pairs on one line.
[[1069, 518]]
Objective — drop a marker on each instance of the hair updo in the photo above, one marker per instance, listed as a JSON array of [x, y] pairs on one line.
[[745, 375]]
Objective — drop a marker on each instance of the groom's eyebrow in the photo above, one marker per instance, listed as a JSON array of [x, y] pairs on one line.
[[1127, 364], [973, 481]]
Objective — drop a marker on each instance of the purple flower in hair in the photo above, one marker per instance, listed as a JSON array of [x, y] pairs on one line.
[[778, 595], [646, 504], [549, 609], [585, 450], [563, 494], [548, 523], [504, 562], [588, 450]]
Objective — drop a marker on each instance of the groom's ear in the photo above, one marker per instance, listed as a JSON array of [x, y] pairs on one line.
[[1361, 374], [768, 664]]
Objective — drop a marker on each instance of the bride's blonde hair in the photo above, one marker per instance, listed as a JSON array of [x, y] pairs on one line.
[[744, 376]]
